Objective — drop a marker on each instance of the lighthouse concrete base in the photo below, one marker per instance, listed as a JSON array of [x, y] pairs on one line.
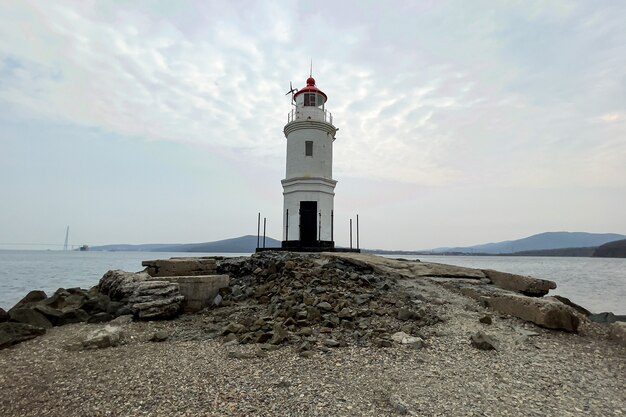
[[318, 246], [295, 244]]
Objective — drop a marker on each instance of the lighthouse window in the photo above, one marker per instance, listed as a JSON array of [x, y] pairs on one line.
[[308, 148], [309, 99]]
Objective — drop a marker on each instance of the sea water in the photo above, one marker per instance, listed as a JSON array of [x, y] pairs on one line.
[[23, 271], [598, 284]]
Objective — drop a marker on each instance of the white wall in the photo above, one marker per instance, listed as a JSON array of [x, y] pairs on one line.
[[308, 178], [292, 198], [318, 165]]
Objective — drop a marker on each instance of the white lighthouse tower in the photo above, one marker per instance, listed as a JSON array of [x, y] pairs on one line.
[[308, 187]]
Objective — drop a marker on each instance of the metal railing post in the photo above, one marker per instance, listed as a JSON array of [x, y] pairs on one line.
[[319, 228], [264, 222], [350, 234], [357, 231], [258, 230]]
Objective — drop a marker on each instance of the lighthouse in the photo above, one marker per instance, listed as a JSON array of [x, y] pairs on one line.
[[309, 187]]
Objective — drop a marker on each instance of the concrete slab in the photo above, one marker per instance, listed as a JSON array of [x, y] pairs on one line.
[[199, 290], [180, 267]]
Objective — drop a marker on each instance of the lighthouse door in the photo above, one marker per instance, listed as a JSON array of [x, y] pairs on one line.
[[308, 217]]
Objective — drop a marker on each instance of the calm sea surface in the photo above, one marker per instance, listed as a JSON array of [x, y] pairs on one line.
[[595, 283], [598, 284], [23, 271]]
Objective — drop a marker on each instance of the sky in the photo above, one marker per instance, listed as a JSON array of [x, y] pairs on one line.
[[459, 122]]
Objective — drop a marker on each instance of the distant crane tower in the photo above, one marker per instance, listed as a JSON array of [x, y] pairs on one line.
[[67, 235]]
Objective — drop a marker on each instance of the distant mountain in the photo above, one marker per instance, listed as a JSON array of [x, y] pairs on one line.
[[243, 244], [571, 252], [543, 244], [149, 247], [542, 241], [615, 249]]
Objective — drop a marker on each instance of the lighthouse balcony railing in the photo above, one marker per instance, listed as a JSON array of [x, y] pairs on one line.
[[311, 113]]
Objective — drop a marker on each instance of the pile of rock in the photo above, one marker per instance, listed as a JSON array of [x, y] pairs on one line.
[[308, 300], [36, 312], [312, 299], [119, 293]]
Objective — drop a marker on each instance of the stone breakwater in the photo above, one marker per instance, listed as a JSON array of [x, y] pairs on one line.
[[309, 299], [346, 312]]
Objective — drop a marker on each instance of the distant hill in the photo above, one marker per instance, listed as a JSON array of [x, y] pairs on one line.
[[574, 252], [542, 241], [243, 244], [615, 249], [543, 244], [149, 247]]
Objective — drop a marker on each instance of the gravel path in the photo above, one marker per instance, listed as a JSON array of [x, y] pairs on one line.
[[193, 374]]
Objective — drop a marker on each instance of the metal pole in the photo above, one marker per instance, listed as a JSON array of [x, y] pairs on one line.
[[287, 226], [319, 228], [258, 230], [350, 234], [299, 227], [264, 221], [357, 231], [332, 225]]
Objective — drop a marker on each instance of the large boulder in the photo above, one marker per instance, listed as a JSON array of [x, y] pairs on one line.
[[4, 316], [154, 300], [180, 267], [606, 318], [410, 269], [148, 300], [52, 314], [97, 303], [12, 333], [533, 287], [73, 316], [64, 306], [30, 299], [61, 317], [102, 338], [546, 312], [119, 285], [29, 316], [582, 310], [66, 299]]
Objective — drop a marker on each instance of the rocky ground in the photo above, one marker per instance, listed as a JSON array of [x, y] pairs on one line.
[[322, 335]]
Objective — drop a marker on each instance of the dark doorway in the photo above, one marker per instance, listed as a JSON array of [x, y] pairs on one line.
[[308, 222]]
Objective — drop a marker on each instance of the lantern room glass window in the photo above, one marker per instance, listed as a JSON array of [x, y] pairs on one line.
[[309, 99]]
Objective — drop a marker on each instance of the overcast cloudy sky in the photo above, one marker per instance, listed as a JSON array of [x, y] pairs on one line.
[[459, 122]]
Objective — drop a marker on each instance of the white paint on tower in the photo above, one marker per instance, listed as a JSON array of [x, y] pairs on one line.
[[308, 187]]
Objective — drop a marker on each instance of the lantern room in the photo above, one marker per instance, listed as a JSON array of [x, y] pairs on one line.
[[310, 104], [310, 96]]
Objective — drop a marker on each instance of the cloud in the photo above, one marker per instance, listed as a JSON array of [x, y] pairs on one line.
[[425, 93], [611, 117]]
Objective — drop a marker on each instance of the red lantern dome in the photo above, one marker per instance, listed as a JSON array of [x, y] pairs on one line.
[[311, 88]]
